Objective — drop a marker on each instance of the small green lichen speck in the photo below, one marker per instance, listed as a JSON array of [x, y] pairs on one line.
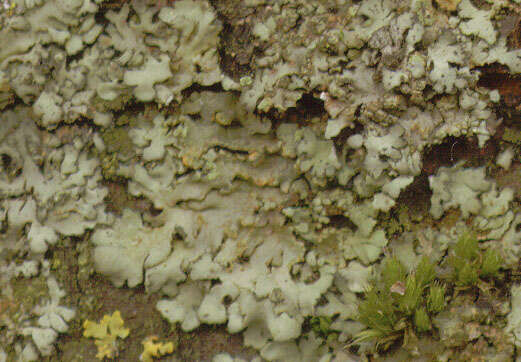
[[512, 135], [117, 140], [322, 328]]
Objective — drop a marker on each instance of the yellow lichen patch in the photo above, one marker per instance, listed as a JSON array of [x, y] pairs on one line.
[[449, 5], [106, 333], [152, 349]]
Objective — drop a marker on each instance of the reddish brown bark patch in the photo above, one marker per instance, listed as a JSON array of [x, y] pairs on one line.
[[497, 76], [454, 149]]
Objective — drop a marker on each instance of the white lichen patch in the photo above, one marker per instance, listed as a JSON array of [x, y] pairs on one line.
[[52, 185], [473, 193], [52, 320], [123, 250]]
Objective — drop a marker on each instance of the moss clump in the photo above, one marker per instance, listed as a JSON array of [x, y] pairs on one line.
[[469, 263], [378, 313], [400, 301], [436, 298], [422, 320]]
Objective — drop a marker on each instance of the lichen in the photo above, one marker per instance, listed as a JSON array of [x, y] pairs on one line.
[[106, 334], [152, 349], [265, 159], [512, 135]]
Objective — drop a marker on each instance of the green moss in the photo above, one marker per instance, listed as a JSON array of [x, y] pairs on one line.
[[378, 313], [382, 309], [401, 302], [436, 298], [467, 247], [320, 325], [467, 275], [491, 263], [469, 263], [410, 299], [393, 271], [425, 272], [421, 320]]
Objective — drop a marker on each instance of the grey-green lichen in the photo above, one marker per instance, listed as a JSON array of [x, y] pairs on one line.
[[258, 215]]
